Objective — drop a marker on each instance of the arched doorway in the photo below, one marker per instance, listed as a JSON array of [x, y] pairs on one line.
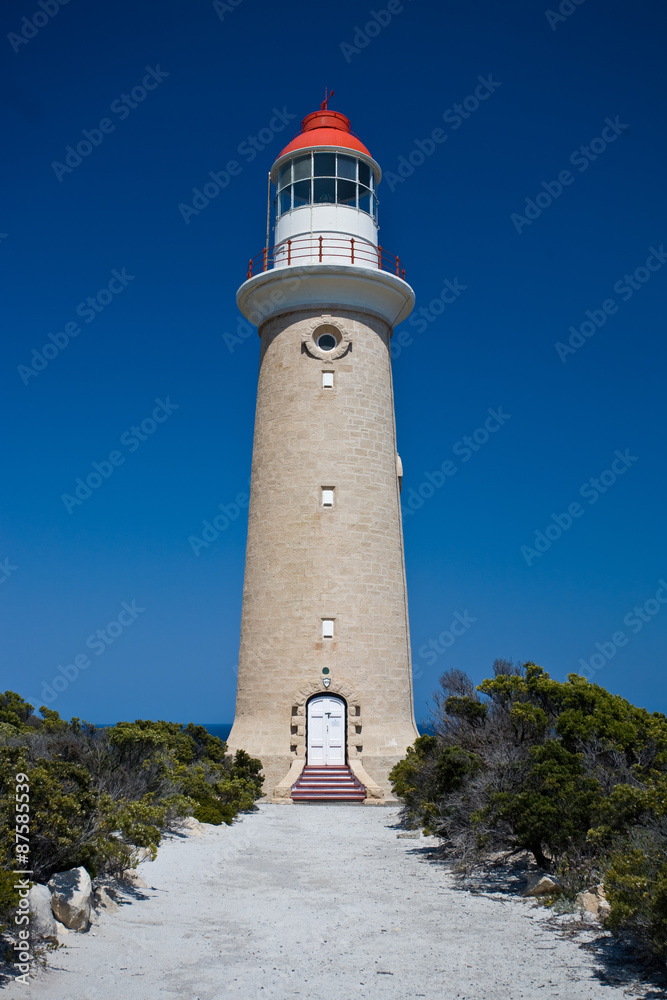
[[326, 730]]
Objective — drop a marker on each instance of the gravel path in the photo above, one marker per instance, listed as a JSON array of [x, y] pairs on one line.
[[321, 902]]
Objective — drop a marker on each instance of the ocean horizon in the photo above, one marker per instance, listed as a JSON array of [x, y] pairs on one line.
[[223, 729]]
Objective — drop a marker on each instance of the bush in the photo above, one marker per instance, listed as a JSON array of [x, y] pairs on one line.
[[568, 771], [98, 794]]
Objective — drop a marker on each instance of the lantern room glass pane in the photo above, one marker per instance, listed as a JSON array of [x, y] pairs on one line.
[[325, 164], [374, 207], [364, 199], [347, 167], [284, 176], [302, 194], [364, 174], [347, 193], [325, 190], [301, 167], [285, 200]]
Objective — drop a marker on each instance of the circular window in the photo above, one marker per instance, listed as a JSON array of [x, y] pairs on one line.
[[327, 342]]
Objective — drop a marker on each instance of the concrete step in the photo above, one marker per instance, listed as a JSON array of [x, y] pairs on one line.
[[322, 783]]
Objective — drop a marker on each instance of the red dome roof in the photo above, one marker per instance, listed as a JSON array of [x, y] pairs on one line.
[[325, 128]]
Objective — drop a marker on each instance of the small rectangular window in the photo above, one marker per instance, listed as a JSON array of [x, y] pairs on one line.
[[327, 380], [327, 496], [327, 628], [347, 193], [302, 194], [302, 167], [325, 164], [285, 200], [324, 190], [347, 167]]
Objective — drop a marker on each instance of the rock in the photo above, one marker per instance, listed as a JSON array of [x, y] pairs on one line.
[[61, 931], [587, 901], [142, 854], [604, 909], [594, 901], [103, 901], [410, 835], [71, 898], [191, 827], [133, 878], [541, 885], [42, 921]]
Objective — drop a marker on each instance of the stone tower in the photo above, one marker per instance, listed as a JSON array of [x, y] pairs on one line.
[[324, 665]]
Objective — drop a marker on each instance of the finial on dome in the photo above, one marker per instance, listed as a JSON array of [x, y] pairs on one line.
[[323, 105]]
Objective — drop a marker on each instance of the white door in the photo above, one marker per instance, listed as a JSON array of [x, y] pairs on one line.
[[326, 730]]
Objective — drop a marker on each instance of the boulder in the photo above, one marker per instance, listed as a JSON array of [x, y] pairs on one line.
[[61, 931], [71, 898], [604, 908], [594, 901], [42, 921], [133, 878], [587, 901], [541, 885], [142, 854], [103, 901], [191, 827]]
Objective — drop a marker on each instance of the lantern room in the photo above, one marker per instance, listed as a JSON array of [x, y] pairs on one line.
[[325, 185], [324, 206]]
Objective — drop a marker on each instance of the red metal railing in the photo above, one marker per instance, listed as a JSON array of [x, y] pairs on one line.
[[321, 249]]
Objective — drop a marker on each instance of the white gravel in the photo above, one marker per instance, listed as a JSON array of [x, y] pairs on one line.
[[322, 902]]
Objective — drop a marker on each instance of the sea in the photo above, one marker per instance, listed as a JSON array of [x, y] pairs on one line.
[[223, 729], [219, 729]]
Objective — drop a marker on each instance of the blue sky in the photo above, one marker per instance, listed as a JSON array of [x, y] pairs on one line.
[[536, 235]]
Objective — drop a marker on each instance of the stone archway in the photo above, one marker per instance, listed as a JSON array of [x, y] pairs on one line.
[[300, 699]]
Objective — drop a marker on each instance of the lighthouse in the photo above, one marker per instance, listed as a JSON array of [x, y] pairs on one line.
[[324, 694]]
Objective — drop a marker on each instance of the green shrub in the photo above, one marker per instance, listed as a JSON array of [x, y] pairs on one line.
[[568, 771], [98, 794]]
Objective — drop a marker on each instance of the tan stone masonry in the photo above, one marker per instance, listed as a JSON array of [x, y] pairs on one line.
[[306, 562]]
